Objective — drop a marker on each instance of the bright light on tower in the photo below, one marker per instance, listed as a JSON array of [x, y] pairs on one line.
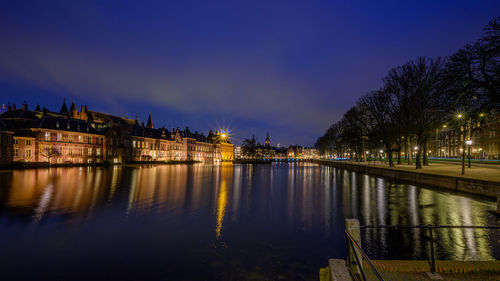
[[468, 142]]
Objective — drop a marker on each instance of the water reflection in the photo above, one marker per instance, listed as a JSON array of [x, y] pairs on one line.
[[285, 218]]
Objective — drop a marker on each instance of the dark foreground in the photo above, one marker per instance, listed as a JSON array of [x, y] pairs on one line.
[[228, 222]]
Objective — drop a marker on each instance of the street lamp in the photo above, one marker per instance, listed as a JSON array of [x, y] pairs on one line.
[[469, 142]]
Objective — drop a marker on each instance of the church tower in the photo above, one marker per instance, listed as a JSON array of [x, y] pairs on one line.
[[268, 141]]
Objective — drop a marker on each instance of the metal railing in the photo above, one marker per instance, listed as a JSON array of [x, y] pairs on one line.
[[352, 251], [430, 228]]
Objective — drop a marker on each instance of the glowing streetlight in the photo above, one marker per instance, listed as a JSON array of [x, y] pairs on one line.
[[415, 148], [468, 142], [459, 115]]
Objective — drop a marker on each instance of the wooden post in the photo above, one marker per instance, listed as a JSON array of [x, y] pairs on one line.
[[352, 227]]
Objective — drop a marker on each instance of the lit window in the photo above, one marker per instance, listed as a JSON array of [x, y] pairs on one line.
[[98, 151], [59, 137], [47, 136], [57, 124], [70, 150], [80, 139], [89, 152], [28, 142], [89, 139], [70, 138], [28, 153], [133, 143]]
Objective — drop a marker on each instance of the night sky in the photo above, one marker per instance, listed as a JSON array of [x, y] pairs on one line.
[[288, 67]]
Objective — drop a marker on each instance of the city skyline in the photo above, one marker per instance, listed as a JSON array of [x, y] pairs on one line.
[[290, 69]]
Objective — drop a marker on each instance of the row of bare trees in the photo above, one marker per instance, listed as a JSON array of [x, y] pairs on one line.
[[417, 98]]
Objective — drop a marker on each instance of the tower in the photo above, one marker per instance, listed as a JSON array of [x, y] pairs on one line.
[[73, 112], [64, 108], [267, 141], [150, 122]]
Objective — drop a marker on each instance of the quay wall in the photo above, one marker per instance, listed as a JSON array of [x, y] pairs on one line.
[[475, 186]]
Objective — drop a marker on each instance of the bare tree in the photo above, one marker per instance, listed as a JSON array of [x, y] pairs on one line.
[[50, 152]]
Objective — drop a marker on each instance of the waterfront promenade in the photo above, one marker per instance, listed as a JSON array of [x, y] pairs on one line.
[[481, 179], [485, 172]]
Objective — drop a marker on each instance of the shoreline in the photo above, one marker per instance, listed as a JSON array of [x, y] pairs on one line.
[[44, 165], [476, 186]]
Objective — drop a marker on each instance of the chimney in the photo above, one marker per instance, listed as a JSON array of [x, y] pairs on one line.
[[25, 106]]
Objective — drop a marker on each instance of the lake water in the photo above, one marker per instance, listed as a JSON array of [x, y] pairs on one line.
[[222, 222]]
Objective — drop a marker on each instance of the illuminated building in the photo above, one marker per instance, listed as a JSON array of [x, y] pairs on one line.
[[85, 136]]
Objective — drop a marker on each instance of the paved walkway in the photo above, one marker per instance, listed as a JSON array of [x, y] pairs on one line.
[[482, 172]]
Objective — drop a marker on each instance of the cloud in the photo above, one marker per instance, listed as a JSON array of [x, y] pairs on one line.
[[242, 87]]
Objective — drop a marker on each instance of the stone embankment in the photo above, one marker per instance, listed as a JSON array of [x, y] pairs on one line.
[[482, 182]]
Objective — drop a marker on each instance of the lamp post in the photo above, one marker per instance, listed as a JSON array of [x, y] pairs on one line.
[[468, 142], [459, 116]]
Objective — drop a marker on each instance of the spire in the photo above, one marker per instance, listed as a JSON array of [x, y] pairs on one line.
[[73, 111], [150, 122], [38, 108], [64, 108], [267, 141]]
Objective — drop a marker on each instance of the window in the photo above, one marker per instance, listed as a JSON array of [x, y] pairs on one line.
[[70, 150], [59, 150], [89, 139], [28, 153], [133, 143], [16, 152], [80, 139], [28, 142], [98, 151], [57, 124], [47, 136], [16, 141], [70, 138], [89, 152], [59, 137]]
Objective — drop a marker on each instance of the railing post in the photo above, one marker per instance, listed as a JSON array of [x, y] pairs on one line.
[[498, 203], [433, 261], [352, 227]]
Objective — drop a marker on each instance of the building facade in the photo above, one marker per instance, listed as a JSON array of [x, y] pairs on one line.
[[85, 137]]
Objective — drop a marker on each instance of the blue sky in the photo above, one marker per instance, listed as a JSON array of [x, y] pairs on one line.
[[288, 67]]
